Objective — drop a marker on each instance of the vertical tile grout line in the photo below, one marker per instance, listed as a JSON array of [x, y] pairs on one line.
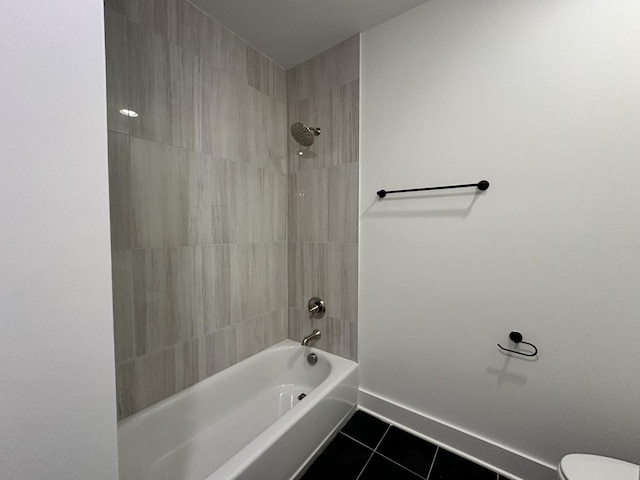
[[373, 452], [433, 462], [375, 449]]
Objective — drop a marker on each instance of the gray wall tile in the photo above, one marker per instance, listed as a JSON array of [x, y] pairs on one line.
[[308, 206], [120, 190], [116, 66], [145, 380], [126, 389], [123, 305], [167, 291], [323, 198], [162, 17], [204, 189], [343, 203], [152, 68], [336, 112], [190, 363], [314, 112], [276, 326], [260, 72], [215, 261], [159, 193], [260, 205], [250, 337], [280, 75], [220, 350], [336, 66], [339, 337], [344, 119], [206, 38], [258, 279], [328, 271]]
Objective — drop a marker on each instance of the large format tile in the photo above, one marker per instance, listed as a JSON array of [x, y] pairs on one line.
[[339, 337], [260, 72], [308, 206], [328, 271], [260, 205], [201, 35], [343, 119], [275, 327], [314, 112], [215, 261], [334, 67], [343, 203], [449, 466], [124, 325], [168, 196], [159, 195], [266, 76], [258, 279], [381, 468], [189, 75], [212, 189], [116, 66], [162, 17], [336, 113], [152, 68], [120, 190], [408, 450], [167, 295], [256, 334], [250, 337], [190, 363], [221, 350], [343, 459], [145, 380], [299, 324], [365, 428]]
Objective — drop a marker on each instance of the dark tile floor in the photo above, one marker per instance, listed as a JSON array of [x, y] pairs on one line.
[[369, 449]]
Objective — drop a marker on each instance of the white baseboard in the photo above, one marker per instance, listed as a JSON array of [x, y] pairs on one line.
[[507, 462]]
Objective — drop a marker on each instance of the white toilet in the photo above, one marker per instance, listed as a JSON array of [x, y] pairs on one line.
[[594, 467]]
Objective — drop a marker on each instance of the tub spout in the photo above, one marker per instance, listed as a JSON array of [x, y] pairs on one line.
[[314, 336]]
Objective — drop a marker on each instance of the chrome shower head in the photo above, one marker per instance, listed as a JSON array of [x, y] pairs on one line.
[[304, 135]]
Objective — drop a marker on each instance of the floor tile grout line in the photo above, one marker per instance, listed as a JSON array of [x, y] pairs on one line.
[[400, 465], [373, 452], [357, 441], [382, 438], [433, 462]]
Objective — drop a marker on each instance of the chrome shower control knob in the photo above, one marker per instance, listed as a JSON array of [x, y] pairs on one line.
[[316, 308]]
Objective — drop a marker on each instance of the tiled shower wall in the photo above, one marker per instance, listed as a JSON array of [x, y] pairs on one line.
[[323, 197], [198, 198]]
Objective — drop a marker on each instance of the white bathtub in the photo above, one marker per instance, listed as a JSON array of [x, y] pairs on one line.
[[245, 422]]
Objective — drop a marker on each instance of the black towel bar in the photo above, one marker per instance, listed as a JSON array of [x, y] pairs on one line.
[[482, 185]]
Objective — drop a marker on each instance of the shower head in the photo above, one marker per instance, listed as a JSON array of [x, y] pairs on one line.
[[304, 135]]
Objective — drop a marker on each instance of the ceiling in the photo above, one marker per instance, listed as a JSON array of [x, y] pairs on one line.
[[292, 31]]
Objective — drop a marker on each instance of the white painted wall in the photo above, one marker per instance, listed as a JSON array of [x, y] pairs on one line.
[[57, 400], [541, 98]]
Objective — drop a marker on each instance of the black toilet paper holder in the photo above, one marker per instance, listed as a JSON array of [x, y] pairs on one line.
[[516, 337]]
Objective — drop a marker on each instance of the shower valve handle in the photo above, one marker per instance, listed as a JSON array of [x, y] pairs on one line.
[[316, 308]]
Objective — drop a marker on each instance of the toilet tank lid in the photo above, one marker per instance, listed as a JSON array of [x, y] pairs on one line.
[[594, 467]]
